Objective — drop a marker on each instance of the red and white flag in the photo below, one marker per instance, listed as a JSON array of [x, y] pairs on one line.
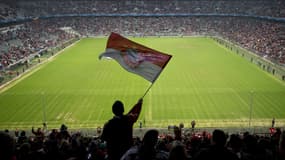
[[135, 57]]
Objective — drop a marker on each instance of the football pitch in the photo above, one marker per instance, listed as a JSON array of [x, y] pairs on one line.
[[204, 81]]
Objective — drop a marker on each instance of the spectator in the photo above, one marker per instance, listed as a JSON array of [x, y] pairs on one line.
[[193, 123], [7, 147], [118, 132], [22, 138], [178, 152], [217, 150], [147, 150], [281, 149], [24, 152], [39, 134], [177, 133], [235, 144]]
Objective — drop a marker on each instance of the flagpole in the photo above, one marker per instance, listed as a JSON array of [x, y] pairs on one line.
[[153, 82], [120, 44], [155, 79], [147, 90]]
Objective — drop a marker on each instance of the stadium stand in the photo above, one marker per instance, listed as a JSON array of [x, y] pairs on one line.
[[264, 38], [129, 17], [20, 41], [29, 26], [35, 8], [64, 144]]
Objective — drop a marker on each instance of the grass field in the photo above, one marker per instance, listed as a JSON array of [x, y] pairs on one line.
[[203, 81]]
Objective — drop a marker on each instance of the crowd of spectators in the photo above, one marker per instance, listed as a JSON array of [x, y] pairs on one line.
[[265, 38], [7, 12], [61, 144], [262, 37], [36, 8], [18, 42]]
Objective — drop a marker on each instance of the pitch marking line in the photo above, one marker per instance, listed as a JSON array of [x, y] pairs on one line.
[[239, 97], [31, 70]]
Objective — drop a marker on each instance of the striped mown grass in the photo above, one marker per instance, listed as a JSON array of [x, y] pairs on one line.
[[203, 81]]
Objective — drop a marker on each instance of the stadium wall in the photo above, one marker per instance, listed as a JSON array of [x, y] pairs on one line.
[[273, 68]]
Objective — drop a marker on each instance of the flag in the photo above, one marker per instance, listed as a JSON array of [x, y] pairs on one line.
[[135, 57]]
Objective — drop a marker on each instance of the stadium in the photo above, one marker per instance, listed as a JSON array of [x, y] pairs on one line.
[[227, 72]]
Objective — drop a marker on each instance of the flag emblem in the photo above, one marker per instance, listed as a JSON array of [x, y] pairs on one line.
[[136, 58]]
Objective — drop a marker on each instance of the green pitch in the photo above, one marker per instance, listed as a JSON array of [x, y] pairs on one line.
[[203, 81]]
